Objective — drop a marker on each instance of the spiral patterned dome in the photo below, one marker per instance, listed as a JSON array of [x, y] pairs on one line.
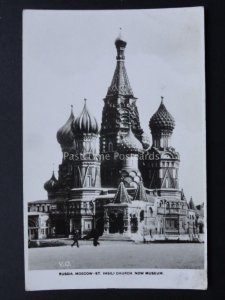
[[65, 135], [52, 184], [130, 144], [85, 123], [162, 119]]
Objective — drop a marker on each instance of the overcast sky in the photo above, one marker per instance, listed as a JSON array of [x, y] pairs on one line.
[[70, 55]]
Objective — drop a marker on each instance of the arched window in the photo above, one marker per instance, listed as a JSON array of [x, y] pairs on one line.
[[151, 211], [167, 183], [88, 181], [142, 215]]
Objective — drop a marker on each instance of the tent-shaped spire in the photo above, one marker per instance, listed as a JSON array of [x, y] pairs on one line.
[[121, 195], [120, 84], [183, 195], [141, 193]]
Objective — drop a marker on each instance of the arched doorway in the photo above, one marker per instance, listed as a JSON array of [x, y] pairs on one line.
[[142, 216], [60, 227], [201, 228], [116, 224], [33, 229], [134, 223]]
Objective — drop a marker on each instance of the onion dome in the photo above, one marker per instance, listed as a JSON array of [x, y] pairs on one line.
[[191, 204], [65, 135], [85, 123], [200, 209], [120, 42], [51, 184], [162, 119], [130, 144]]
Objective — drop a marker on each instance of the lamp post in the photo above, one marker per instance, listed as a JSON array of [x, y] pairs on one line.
[[164, 217]]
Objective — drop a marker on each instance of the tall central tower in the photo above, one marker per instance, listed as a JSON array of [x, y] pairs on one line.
[[119, 114]]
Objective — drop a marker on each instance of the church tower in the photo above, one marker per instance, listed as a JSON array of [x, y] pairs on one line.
[[86, 161], [162, 161], [119, 113], [79, 141]]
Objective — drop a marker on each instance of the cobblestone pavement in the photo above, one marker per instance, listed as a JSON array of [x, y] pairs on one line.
[[118, 255]]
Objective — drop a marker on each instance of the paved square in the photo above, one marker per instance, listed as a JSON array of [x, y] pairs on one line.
[[118, 255]]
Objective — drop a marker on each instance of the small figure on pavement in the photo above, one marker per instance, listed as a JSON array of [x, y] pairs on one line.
[[150, 232], [75, 238], [95, 235]]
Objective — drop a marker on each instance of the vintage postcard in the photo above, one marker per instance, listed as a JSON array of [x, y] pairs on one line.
[[114, 149]]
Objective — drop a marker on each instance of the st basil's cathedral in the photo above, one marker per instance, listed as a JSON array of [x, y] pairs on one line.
[[112, 179]]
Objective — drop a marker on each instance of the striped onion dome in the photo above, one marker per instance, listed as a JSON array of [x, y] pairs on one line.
[[85, 123]]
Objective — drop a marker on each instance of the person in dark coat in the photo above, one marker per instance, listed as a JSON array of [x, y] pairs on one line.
[[95, 235], [150, 232], [75, 239]]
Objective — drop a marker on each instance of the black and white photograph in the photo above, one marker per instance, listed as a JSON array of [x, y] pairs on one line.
[[114, 149]]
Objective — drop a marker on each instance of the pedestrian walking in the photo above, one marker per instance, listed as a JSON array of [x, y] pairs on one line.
[[95, 235], [75, 238], [150, 232]]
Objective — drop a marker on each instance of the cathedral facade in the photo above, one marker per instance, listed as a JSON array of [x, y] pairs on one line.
[[112, 179]]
